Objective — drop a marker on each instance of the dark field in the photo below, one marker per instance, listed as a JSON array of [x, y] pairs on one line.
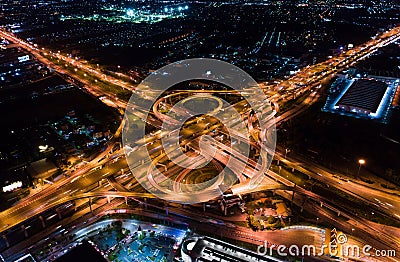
[[23, 110], [83, 252]]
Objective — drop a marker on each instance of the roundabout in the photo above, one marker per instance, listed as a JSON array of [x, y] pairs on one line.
[[194, 102]]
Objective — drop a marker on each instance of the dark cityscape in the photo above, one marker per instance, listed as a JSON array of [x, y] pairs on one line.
[[238, 130]]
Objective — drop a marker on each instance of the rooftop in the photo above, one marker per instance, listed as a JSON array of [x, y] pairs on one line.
[[211, 249], [364, 94]]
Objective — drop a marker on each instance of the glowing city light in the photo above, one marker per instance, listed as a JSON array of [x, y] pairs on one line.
[[180, 8], [43, 148], [13, 186], [186, 7], [166, 9], [129, 12]]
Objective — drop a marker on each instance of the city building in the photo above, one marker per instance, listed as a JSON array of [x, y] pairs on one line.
[[369, 98], [202, 249], [363, 96]]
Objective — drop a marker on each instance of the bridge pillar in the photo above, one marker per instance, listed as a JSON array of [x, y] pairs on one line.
[[126, 201], [273, 192], [90, 205], [277, 162], [42, 220], [145, 203], [291, 202], [108, 199], [338, 213], [322, 204], [59, 215], [224, 207], [292, 169], [204, 207], [166, 210], [25, 231], [302, 205]]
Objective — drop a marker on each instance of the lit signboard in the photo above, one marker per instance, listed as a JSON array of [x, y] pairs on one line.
[[23, 58], [13, 186]]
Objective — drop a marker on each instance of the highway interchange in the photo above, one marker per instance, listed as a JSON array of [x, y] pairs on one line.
[[308, 79]]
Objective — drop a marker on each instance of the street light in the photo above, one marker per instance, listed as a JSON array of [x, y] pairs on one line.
[[360, 162]]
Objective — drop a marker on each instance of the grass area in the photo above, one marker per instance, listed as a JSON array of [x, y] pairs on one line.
[[201, 175], [296, 177], [230, 98], [259, 220]]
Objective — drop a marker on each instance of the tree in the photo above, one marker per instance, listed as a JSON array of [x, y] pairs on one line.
[[271, 220], [253, 224]]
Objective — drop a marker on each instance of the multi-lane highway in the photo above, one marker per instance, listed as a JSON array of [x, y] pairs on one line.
[[307, 79]]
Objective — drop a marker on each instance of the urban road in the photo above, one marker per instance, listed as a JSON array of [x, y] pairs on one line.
[[307, 79]]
